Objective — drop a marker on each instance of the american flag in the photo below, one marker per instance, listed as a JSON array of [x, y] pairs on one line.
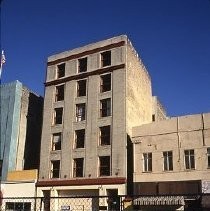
[[3, 59]]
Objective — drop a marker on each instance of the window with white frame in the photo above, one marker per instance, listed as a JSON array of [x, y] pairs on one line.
[[58, 116], [61, 70], [59, 93], [104, 166], [55, 168], [79, 138], [189, 158], [56, 141], [147, 158], [82, 65], [80, 112], [168, 161], [105, 107], [81, 88], [106, 82], [106, 58], [78, 167], [105, 135]]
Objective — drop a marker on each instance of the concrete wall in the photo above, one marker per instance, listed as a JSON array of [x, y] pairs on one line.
[[138, 91], [158, 110], [176, 134], [93, 121]]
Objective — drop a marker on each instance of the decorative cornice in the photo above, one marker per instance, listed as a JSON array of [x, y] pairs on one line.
[[82, 181], [85, 53], [85, 74]]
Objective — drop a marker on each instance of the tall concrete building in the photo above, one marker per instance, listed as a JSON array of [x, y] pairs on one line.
[[94, 95], [21, 120]]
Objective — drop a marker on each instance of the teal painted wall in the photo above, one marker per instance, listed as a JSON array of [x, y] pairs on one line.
[[10, 101]]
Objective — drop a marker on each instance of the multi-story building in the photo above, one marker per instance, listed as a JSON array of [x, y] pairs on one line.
[[94, 95], [172, 157], [21, 120]]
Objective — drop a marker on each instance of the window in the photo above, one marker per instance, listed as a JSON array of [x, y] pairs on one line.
[[55, 169], [58, 116], [153, 117], [56, 141], [208, 157], [147, 161], [59, 95], [80, 112], [106, 83], [105, 135], [61, 70], [78, 167], [80, 138], [81, 88], [168, 161], [189, 159], [22, 206], [104, 166], [82, 65], [105, 107], [106, 58]]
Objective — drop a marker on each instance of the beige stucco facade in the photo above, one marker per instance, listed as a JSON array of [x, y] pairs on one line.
[[130, 96], [177, 135]]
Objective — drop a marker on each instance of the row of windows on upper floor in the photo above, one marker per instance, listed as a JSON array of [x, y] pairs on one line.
[[80, 111], [105, 60], [105, 85], [103, 169], [104, 138], [189, 160]]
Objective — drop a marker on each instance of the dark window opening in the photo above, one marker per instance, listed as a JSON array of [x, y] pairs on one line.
[[208, 157], [80, 138], [104, 166], [59, 96], [58, 118], [106, 83], [55, 169], [105, 135], [105, 108], [61, 70], [21, 206], [82, 65], [81, 88], [80, 112], [153, 117], [78, 167], [106, 58]]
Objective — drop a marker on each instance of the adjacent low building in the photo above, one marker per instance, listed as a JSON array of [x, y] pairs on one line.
[[172, 157]]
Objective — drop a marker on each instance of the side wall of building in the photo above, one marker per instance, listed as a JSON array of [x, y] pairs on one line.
[[10, 116], [138, 91]]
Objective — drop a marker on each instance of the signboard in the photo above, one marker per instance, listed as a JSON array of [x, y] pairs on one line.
[[64, 208]]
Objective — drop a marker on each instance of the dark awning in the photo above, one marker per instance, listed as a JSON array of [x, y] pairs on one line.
[[159, 200]]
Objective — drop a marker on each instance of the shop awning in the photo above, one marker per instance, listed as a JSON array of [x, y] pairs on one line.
[[159, 200]]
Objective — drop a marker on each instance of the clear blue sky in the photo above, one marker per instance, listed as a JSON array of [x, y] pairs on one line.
[[171, 36]]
